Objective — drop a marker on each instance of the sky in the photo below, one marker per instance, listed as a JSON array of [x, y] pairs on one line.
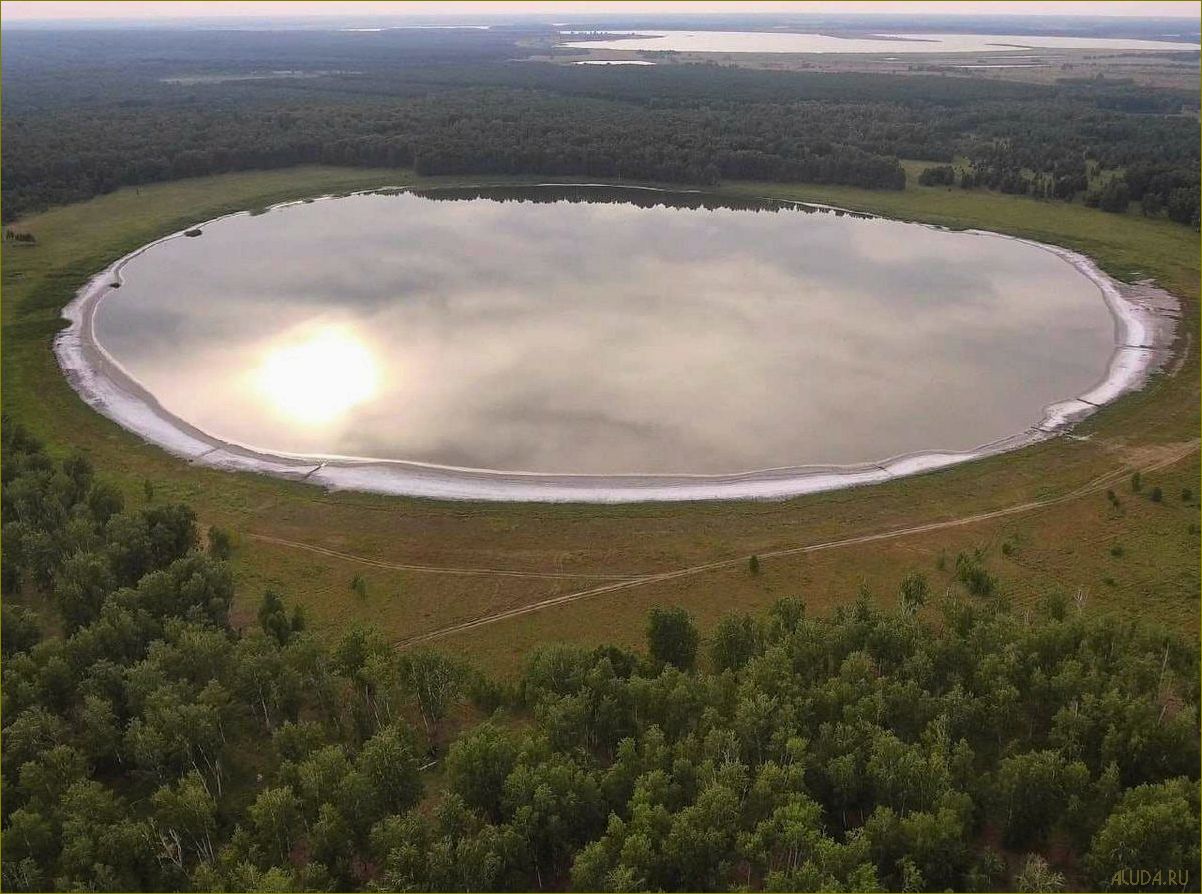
[[26, 10]]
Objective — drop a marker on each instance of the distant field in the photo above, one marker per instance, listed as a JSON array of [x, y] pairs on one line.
[[1067, 546]]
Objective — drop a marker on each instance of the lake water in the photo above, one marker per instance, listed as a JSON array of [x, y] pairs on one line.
[[893, 44], [596, 330]]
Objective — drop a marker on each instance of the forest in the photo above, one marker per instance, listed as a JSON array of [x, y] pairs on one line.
[[88, 112], [953, 743]]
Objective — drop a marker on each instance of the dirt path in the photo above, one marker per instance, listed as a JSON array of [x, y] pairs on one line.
[[1161, 458], [1170, 456], [440, 569]]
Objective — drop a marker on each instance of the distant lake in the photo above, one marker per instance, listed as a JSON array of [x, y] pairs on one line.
[[893, 44], [600, 330]]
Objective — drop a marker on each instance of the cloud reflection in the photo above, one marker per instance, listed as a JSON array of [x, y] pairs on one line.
[[603, 338]]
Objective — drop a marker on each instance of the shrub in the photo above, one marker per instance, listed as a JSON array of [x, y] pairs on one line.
[[941, 175], [971, 573], [1156, 495], [221, 544]]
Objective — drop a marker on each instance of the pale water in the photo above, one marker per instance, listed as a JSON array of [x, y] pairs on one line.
[[595, 330], [893, 44]]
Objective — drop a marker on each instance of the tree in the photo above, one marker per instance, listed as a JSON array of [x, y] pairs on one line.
[[1034, 789], [80, 587], [389, 764], [275, 620], [736, 639], [19, 631], [1153, 826], [914, 592], [437, 681], [275, 818], [477, 767], [672, 637], [1037, 876], [940, 175], [185, 821]]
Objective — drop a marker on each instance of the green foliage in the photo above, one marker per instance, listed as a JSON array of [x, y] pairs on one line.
[[972, 574], [1136, 482], [276, 621], [1153, 827], [85, 122], [221, 543], [736, 640], [1037, 876], [753, 565], [19, 630], [672, 637], [1156, 495], [914, 592], [478, 765], [939, 175], [153, 747]]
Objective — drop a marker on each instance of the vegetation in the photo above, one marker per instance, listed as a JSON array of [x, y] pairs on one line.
[[219, 719], [84, 119], [365, 533], [149, 745]]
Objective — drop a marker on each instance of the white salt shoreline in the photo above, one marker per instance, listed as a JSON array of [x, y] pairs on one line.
[[1144, 322]]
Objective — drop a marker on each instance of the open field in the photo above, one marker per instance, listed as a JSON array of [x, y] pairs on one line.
[[433, 565]]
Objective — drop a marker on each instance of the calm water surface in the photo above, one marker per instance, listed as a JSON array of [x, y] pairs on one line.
[[893, 44], [633, 331]]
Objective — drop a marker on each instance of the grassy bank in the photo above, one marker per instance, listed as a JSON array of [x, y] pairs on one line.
[[1068, 545]]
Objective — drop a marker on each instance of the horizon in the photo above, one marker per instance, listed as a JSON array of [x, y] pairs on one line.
[[121, 11]]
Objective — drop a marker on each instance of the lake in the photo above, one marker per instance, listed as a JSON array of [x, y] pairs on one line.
[[792, 42], [602, 331]]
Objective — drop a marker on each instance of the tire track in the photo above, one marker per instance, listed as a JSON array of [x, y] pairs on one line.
[[439, 569], [1095, 486]]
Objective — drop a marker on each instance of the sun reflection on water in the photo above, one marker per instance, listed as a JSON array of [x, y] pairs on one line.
[[317, 374]]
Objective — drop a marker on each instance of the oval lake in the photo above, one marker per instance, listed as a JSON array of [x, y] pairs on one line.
[[601, 331]]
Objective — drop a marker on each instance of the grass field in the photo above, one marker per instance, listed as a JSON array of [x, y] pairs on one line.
[[432, 565]]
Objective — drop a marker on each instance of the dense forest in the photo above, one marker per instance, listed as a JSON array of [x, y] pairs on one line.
[[87, 112], [951, 744]]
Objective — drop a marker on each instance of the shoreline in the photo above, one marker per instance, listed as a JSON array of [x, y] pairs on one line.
[[1144, 316]]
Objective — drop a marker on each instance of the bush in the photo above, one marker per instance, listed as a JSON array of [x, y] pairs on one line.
[[1156, 495], [941, 175], [221, 544], [1116, 550], [971, 573]]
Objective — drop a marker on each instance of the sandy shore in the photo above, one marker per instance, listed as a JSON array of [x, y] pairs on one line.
[[1144, 315]]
